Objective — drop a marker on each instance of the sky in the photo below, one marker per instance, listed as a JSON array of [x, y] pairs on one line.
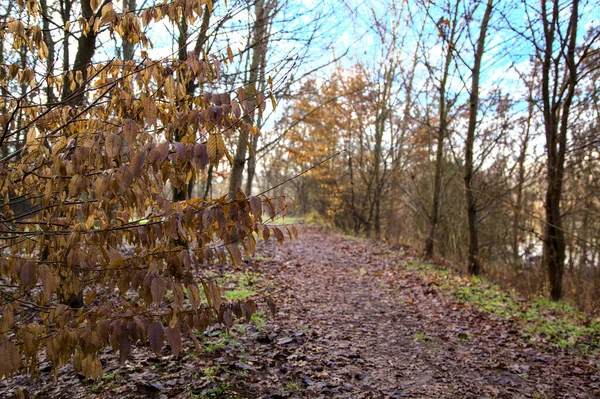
[[308, 36]]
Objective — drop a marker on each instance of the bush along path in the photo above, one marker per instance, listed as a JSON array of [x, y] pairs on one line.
[[357, 319]]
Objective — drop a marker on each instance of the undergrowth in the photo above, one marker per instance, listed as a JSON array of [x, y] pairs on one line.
[[239, 286], [541, 321]]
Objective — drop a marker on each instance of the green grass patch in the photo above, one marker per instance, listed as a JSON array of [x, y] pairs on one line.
[[258, 319], [217, 341], [237, 295], [427, 268], [108, 380], [542, 321], [556, 324], [241, 280], [240, 286], [213, 371], [213, 346], [221, 390], [293, 385], [487, 298], [560, 324], [419, 336]]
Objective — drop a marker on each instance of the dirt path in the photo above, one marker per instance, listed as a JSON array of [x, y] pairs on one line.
[[353, 322], [359, 325]]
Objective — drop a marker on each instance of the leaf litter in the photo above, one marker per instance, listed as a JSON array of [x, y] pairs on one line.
[[352, 321]]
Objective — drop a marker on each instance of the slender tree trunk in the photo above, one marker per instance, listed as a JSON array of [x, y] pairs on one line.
[[380, 165], [408, 102], [19, 139], [518, 209], [201, 42], [556, 124], [3, 89], [86, 47], [46, 15], [192, 85], [437, 189], [259, 122], [252, 163], [271, 10], [441, 135], [65, 14], [128, 50], [208, 183], [180, 194], [254, 143], [377, 159], [473, 263], [258, 53], [554, 239]]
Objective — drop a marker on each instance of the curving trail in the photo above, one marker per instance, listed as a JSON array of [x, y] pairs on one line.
[[353, 322], [357, 324]]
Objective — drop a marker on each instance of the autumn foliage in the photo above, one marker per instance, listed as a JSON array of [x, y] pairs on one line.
[[95, 252]]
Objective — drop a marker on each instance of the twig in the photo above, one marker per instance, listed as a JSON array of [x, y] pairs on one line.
[[302, 173]]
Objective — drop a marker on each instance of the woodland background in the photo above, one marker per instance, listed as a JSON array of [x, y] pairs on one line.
[[143, 140]]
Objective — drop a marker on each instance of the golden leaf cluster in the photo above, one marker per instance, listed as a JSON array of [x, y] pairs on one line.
[[95, 252]]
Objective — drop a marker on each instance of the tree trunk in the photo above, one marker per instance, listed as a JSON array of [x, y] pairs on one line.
[[554, 238], [437, 188], [442, 132], [128, 5], [259, 46], [51, 97], [4, 151], [556, 124], [65, 14], [259, 122], [473, 263], [208, 183], [408, 102], [86, 47], [180, 194], [518, 209], [377, 159]]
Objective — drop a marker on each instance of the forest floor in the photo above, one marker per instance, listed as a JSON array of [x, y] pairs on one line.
[[355, 319]]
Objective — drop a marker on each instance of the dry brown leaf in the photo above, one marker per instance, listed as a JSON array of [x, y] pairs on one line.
[[28, 275], [278, 235], [112, 145], [156, 336], [130, 131], [174, 339], [124, 347], [236, 255], [137, 163], [256, 206], [158, 288]]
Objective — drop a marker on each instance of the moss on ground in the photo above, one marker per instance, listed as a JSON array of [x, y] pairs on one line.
[[556, 324]]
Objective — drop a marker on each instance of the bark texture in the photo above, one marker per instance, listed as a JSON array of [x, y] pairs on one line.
[[86, 48], [259, 49], [473, 263], [556, 117], [442, 132]]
